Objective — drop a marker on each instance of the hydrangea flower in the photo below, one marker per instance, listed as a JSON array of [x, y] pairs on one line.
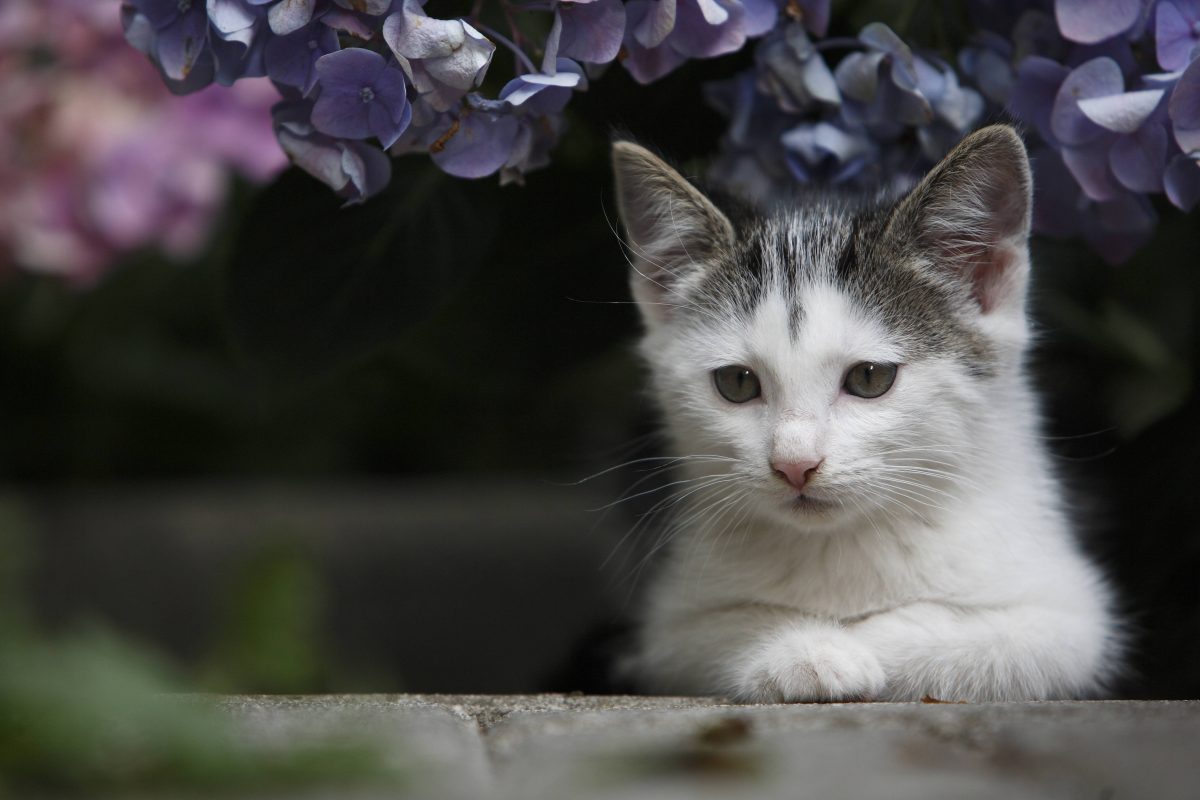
[[97, 157], [354, 170], [662, 34], [791, 70], [1092, 21], [288, 16], [175, 34], [884, 112], [478, 143], [586, 30], [361, 96], [291, 59], [443, 59], [1176, 33]]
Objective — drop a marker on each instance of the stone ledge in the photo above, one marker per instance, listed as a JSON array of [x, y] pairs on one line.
[[564, 746]]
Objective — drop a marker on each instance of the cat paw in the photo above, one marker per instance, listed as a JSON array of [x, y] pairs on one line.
[[810, 665]]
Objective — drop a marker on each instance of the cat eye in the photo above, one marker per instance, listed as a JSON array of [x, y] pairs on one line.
[[736, 383], [870, 379]]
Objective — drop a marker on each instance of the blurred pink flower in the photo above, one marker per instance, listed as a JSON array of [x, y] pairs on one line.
[[97, 158]]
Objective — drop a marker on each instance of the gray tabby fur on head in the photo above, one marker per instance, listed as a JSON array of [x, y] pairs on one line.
[[926, 265]]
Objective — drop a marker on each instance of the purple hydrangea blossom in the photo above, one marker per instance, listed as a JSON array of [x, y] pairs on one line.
[[175, 34], [372, 7], [1092, 21], [1184, 109], [586, 30], [792, 70], [882, 113], [1176, 32], [478, 143], [1111, 136], [354, 170], [662, 34], [361, 95], [861, 111], [1115, 229], [291, 59], [1181, 182], [288, 16], [443, 59], [237, 36]]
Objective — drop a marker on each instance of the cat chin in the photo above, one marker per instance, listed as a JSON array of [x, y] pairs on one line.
[[804, 513]]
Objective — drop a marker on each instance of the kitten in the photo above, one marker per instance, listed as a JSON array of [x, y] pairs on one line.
[[868, 511]]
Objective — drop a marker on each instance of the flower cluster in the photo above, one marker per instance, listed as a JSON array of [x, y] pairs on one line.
[[1113, 92], [883, 113], [361, 77], [97, 158], [1111, 89]]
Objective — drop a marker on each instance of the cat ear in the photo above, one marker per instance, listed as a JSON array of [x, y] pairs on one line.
[[970, 216], [671, 228]]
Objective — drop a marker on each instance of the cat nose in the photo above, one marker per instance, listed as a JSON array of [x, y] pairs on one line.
[[797, 473]]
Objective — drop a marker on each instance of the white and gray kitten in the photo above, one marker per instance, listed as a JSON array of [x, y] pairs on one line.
[[871, 513]]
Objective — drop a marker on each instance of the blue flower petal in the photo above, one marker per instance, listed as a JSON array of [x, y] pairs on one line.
[[592, 31], [478, 145], [1182, 182], [1138, 161], [1122, 113], [1091, 21], [1089, 164], [1176, 32], [1096, 78]]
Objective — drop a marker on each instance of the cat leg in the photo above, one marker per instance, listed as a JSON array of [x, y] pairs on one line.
[[1020, 652], [760, 654]]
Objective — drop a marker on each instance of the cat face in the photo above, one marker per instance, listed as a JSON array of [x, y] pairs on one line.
[[831, 360]]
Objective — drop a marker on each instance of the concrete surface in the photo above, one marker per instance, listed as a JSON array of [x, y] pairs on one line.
[[528, 747]]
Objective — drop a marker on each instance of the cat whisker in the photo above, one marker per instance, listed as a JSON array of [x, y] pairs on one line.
[[665, 461], [666, 503], [680, 482]]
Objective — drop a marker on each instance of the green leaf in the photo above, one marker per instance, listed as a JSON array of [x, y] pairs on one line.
[[311, 284]]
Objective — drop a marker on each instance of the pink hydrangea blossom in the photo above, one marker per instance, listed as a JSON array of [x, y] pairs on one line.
[[97, 158]]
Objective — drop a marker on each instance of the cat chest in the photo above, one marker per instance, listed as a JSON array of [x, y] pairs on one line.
[[832, 583]]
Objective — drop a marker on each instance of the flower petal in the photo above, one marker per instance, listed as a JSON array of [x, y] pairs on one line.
[[651, 22], [1091, 21], [1089, 164], [1122, 113], [1182, 182], [593, 31], [349, 69], [479, 145], [1138, 161], [1096, 78], [1176, 34], [1184, 106], [288, 16], [1032, 98]]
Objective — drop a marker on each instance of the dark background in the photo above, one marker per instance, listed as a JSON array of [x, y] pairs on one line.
[[341, 450]]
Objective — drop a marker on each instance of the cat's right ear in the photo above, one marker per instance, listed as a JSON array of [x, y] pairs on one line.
[[671, 229]]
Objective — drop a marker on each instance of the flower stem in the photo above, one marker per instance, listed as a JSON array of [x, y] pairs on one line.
[[504, 40]]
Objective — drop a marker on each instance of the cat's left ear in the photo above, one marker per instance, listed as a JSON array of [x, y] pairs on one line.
[[970, 217], [673, 230]]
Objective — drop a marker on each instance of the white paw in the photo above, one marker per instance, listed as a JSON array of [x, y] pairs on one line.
[[807, 665]]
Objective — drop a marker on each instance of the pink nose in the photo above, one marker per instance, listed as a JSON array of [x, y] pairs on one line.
[[797, 473]]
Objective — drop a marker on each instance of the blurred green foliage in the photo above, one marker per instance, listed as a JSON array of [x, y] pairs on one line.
[[270, 631], [87, 712]]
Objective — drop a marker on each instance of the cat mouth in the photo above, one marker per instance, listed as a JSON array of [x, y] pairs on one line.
[[806, 503]]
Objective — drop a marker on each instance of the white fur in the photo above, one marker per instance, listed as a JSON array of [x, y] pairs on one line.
[[944, 565]]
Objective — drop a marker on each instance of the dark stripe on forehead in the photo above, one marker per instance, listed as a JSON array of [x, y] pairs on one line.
[[842, 242], [895, 284]]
